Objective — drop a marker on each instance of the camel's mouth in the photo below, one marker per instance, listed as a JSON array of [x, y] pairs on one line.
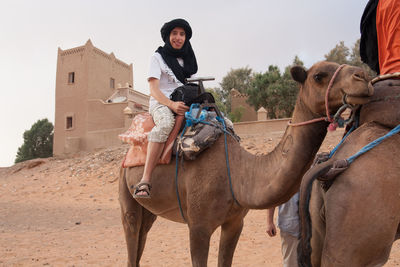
[[357, 100], [359, 96]]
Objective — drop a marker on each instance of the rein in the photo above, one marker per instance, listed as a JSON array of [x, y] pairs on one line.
[[328, 118]]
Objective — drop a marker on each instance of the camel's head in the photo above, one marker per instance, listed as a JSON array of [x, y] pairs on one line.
[[350, 81]]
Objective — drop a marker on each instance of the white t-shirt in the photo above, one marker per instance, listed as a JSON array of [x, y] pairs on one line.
[[160, 70]]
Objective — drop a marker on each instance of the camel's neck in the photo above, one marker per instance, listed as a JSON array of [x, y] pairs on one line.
[[261, 182]]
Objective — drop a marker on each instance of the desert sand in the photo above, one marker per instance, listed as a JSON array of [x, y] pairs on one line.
[[65, 212]]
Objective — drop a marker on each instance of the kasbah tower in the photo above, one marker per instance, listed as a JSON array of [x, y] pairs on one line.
[[95, 100]]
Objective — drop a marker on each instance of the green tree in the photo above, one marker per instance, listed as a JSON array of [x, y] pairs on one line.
[[274, 91], [288, 90], [355, 59], [238, 79], [263, 91], [220, 101], [237, 114], [339, 54], [38, 142], [296, 62], [342, 55]]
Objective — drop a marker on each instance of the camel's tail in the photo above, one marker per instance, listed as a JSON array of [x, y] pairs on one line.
[[304, 248]]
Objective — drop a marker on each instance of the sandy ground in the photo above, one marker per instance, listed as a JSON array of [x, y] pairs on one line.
[[65, 212]]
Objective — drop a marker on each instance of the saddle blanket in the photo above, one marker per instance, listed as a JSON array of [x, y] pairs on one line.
[[136, 135]]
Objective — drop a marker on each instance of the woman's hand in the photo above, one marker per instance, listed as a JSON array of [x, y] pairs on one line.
[[178, 107], [271, 228]]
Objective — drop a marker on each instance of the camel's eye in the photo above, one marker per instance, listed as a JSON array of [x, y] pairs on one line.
[[318, 77]]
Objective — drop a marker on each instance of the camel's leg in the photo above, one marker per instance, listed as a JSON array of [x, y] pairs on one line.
[[230, 233], [136, 222], [148, 219], [317, 212], [199, 245]]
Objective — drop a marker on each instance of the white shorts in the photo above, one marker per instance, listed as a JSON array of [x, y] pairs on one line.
[[164, 120]]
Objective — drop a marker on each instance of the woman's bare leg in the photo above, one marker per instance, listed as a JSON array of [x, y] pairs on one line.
[[153, 155]]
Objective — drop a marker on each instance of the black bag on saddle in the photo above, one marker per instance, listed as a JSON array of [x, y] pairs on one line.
[[190, 93], [203, 128], [198, 136]]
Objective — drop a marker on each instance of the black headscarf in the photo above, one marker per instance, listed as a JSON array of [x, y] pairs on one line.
[[170, 55]]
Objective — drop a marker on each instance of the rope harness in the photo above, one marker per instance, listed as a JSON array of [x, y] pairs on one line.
[[333, 123]]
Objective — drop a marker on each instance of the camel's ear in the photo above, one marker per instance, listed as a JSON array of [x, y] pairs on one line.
[[299, 74]]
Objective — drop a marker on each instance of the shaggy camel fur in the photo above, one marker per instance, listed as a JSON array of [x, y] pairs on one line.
[[258, 182], [356, 221]]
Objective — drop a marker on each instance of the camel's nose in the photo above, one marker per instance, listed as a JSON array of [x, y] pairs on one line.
[[362, 76]]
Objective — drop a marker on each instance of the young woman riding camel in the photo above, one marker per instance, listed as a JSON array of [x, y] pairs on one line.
[[170, 65]]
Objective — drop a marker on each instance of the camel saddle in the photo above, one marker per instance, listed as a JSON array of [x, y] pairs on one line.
[[383, 107], [136, 135]]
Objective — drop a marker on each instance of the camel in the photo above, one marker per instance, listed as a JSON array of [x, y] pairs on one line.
[[356, 221], [258, 182]]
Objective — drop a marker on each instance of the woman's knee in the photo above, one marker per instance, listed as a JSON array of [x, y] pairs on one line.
[[165, 121]]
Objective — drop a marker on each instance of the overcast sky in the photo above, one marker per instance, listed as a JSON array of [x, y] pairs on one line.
[[226, 34]]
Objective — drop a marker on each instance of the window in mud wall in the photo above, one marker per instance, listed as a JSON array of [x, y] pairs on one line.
[[112, 83], [71, 77], [69, 123]]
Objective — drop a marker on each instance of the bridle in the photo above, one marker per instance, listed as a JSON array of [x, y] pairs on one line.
[[333, 123]]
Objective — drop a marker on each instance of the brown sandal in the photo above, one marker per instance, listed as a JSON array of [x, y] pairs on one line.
[[142, 187]]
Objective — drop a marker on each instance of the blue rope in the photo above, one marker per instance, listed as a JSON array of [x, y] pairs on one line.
[[355, 126], [190, 120], [341, 141], [176, 180], [374, 144], [227, 160]]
